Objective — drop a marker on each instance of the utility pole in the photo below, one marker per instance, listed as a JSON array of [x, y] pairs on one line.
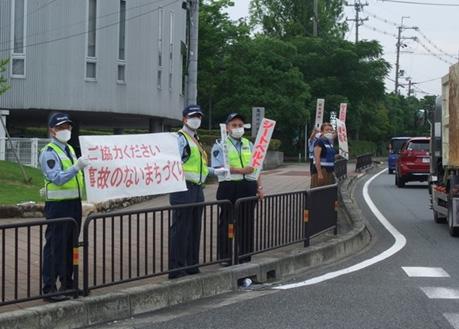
[[358, 6], [401, 28], [316, 18], [192, 74]]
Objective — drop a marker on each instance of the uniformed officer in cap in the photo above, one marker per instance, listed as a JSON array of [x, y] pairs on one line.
[[185, 231], [240, 151], [63, 190]]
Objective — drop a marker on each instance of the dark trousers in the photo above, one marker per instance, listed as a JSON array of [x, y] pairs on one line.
[[185, 231], [58, 249], [233, 190]]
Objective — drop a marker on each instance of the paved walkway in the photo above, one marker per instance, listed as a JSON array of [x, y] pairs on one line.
[[288, 178]]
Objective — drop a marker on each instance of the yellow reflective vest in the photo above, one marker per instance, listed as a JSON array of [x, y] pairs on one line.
[[237, 160], [73, 189], [195, 167]]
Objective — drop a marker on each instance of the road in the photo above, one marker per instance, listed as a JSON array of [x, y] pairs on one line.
[[406, 278]]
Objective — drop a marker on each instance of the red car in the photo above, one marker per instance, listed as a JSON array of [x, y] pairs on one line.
[[414, 161]]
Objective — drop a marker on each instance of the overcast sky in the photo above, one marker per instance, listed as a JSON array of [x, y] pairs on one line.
[[438, 25]]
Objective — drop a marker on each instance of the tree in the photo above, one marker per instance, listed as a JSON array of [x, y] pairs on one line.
[[216, 34], [284, 19], [260, 72]]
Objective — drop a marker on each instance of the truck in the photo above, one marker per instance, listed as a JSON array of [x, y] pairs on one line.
[[443, 178]]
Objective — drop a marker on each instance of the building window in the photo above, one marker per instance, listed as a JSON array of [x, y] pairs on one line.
[[91, 60], [122, 43], [18, 38], [122, 29], [121, 76], [171, 49], [160, 44]]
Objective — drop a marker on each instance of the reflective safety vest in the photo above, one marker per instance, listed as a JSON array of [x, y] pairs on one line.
[[195, 167], [327, 161], [73, 189], [238, 160]]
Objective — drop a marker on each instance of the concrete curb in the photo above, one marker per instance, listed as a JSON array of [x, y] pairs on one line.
[[137, 300]]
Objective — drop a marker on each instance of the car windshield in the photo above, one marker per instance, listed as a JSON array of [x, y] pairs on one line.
[[396, 144]]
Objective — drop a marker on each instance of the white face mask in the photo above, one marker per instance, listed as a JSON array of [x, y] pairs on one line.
[[63, 135], [328, 136], [237, 132], [193, 123]]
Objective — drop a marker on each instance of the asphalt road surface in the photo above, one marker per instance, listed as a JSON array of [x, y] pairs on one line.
[[408, 277]]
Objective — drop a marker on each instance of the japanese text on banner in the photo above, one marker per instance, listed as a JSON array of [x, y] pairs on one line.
[[342, 111], [132, 165], [319, 113], [342, 139], [261, 147]]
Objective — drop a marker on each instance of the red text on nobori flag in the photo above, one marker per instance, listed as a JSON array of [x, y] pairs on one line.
[[123, 166], [342, 139], [261, 146]]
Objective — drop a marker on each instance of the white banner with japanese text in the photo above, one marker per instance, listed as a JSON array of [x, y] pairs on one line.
[[122, 166], [319, 113], [342, 111], [342, 139], [261, 146]]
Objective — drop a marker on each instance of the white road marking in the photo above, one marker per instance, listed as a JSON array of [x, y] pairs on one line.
[[441, 293], [400, 242], [453, 319], [425, 272]]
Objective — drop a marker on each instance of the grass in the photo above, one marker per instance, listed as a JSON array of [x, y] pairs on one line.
[[13, 186]]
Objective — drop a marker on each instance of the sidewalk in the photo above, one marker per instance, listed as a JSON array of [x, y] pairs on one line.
[[146, 295]]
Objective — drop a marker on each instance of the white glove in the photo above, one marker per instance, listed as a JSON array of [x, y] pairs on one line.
[[42, 191], [82, 162], [221, 171]]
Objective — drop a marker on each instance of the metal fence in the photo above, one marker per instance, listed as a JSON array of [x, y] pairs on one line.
[[126, 246], [363, 161], [120, 247], [26, 149], [21, 250]]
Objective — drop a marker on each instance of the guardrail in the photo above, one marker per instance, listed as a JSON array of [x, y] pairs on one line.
[[363, 161], [341, 169], [21, 251]]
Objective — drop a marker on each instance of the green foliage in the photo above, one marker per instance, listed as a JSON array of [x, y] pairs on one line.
[[13, 187], [3, 82], [357, 148]]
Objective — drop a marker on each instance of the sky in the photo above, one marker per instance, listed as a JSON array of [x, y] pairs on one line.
[[438, 31]]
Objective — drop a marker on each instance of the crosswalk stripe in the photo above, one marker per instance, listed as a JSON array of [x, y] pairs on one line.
[[441, 293], [427, 272], [453, 319]]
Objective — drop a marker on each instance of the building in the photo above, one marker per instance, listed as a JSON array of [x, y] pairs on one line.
[[113, 64]]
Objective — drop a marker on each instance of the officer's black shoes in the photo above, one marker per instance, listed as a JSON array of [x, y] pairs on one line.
[[194, 270], [70, 293], [177, 274], [56, 299]]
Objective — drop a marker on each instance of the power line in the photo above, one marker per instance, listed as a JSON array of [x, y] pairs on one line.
[[423, 3], [84, 22]]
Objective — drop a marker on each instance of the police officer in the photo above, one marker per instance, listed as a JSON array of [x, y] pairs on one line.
[[63, 190], [324, 158], [185, 231], [240, 151]]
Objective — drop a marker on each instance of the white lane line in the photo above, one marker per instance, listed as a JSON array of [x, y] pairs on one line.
[[425, 272], [400, 242], [441, 293], [453, 319]]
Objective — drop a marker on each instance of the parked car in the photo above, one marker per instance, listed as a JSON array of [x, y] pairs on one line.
[[395, 146], [413, 163]]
